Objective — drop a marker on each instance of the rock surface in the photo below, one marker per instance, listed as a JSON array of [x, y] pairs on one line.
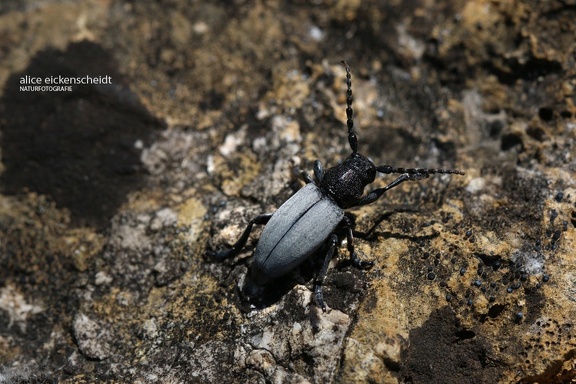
[[111, 194]]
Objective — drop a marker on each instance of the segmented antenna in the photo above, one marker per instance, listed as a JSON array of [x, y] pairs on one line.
[[411, 171], [352, 139]]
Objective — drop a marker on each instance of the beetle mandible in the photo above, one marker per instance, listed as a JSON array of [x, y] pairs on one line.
[[309, 219]]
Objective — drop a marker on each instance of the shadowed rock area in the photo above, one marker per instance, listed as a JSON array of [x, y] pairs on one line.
[[77, 147]]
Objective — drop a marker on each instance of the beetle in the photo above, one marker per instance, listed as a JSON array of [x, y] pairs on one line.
[[309, 219]]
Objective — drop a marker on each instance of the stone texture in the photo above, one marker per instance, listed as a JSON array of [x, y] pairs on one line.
[[110, 195]]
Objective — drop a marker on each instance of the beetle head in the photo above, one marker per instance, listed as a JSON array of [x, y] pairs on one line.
[[345, 182]]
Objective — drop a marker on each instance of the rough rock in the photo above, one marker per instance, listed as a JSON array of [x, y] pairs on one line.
[[111, 194]]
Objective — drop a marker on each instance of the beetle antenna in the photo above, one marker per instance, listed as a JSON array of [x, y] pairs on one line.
[[352, 139], [411, 171]]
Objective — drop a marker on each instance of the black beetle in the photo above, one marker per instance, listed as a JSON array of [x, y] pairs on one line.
[[311, 216]]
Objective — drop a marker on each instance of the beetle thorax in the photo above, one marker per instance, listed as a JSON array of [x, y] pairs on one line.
[[345, 182]]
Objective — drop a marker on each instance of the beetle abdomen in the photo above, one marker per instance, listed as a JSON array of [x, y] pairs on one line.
[[299, 227]]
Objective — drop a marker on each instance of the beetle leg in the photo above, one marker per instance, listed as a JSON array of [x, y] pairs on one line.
[[376, 193], [318, 171], [356, 261], [237, 247], [306, 177], [322, 274]]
